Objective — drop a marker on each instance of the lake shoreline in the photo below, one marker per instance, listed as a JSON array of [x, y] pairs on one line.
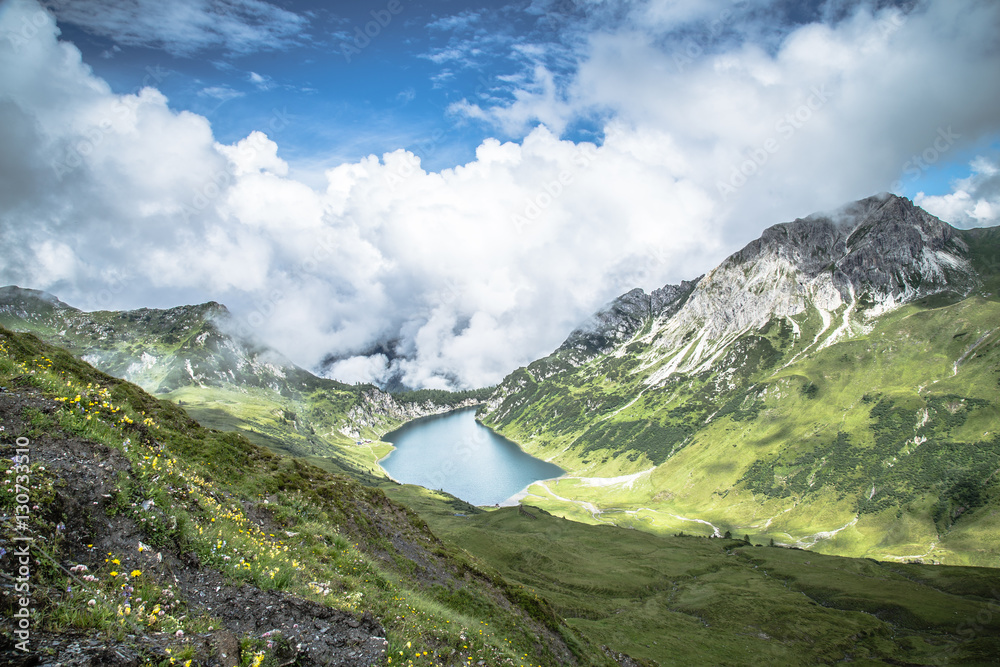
[[516, 499], [456, 453]]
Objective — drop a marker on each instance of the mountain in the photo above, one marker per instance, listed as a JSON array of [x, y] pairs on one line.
[[193, 355], [621, 319], [832, 385]]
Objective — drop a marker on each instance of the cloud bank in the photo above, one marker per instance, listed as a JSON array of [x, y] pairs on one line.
[[454, 278]]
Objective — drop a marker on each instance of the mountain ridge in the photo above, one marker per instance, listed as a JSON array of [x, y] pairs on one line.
[[859, 257], [194, 356], [803, 342], [847, 357]]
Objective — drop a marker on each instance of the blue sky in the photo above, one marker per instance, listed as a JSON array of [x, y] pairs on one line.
[[445, 198], [350, 85]]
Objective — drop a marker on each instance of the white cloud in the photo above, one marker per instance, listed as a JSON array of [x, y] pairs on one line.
[[221, 93], [539, 101], [375, 368], [471, 271], [262, 81], [771, 125], [463, 20], [974, 201], [253, 155], [117, 200]]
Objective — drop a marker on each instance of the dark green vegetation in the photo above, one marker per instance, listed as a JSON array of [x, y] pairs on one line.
[[693, 601], [225, 510], [444, 398]]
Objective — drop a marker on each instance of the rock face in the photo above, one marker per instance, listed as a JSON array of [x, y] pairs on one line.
[[375, 406], [624, 317], [845, 267], [882, 246]]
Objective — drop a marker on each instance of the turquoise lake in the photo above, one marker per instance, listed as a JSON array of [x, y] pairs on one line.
[[457, 454]]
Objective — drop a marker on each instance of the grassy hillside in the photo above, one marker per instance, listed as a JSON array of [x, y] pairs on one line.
[[162, 540], [690, 600], [885, 443], [194, 357]]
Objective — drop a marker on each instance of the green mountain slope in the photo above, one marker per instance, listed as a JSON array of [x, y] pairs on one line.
[[832, 386], [157, 541], [191, 356]]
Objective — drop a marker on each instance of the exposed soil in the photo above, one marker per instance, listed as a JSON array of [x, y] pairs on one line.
[[86, 475]]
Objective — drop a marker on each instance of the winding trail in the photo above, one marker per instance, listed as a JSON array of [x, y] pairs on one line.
[[715, 530], [930, 549], [822, 535], [594, 510], [626, 481]]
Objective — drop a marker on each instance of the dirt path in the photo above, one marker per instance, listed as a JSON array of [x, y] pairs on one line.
[[594, 510]]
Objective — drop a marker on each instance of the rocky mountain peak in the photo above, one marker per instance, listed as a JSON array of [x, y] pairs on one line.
[[29, 300], [621, 319], [883, 246], [875, 253], [847, 265]]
